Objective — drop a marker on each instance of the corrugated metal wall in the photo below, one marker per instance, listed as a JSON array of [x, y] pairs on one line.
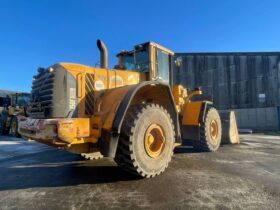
[[234, 80]]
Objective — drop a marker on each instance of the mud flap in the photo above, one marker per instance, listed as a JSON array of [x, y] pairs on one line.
[[108, 145]]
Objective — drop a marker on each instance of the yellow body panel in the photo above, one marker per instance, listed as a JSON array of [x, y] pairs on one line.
[[75, 131], [96, 126], [176, 94], [179, 95], [191, 112], [111, 105], [104, 80]]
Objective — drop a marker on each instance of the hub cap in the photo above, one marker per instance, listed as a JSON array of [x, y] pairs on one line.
[[214, 130], [14, 127], [154, 140]]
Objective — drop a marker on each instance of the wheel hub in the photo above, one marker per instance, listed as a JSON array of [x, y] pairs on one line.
[[154, 141], [214, 130]]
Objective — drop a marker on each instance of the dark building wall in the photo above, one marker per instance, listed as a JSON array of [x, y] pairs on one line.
[[234, 80]]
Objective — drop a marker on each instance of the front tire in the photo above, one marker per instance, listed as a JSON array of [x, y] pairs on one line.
[[210, 132], [14, 127], [147, 140], [2, 126]]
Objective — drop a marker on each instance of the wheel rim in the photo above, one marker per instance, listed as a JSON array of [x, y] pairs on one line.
[[214, 130], [154, 141]]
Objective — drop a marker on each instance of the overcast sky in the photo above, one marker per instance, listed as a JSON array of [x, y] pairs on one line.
[[37, 33]]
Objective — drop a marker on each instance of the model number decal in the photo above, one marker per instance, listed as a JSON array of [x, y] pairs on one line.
[[72, 98], [99, 85]]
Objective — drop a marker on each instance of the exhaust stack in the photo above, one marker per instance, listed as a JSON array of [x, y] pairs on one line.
[[103, 54]]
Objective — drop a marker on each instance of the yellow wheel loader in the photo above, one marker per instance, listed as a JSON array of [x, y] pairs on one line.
[[12, 111], [132, 113]]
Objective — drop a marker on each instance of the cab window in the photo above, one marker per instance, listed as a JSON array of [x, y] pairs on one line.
[[137, 60], [162, 65]]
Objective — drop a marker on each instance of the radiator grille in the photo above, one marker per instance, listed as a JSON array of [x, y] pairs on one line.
[[89, 97], [42, 92]]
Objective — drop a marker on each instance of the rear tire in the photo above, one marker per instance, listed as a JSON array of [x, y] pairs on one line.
[[1, 126], [146, 142], [210, 132], [3, 129], [14, 127]]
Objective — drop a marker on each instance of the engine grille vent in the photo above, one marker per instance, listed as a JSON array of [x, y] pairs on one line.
[[89, 97], [42, 92]]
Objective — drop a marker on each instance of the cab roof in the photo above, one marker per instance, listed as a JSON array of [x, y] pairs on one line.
[[148, 43], [158, 46]]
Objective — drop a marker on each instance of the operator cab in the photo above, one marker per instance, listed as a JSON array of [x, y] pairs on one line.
[[149, 58], [20, 99]]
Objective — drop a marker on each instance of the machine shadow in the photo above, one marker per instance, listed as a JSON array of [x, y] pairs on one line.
[[68, 171], [58, 168], [186, 147]]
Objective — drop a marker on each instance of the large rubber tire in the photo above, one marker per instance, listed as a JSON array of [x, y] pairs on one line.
[[14, 127], [210, 132], [132, 155], [1, 126]]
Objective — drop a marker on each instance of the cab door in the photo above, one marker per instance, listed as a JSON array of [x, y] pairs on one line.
[[163, 66]]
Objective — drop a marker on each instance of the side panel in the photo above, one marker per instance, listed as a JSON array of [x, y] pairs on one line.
[[93, 83], [191, 112], [70, 130], [190, 127], [106, 107]]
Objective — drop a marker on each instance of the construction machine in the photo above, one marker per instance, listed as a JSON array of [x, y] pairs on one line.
[[133, 113], [12, 110]]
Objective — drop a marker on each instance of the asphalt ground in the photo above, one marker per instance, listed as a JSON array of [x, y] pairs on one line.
[[244, 176]]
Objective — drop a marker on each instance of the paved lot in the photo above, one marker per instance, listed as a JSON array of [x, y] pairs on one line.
[[35, 176]]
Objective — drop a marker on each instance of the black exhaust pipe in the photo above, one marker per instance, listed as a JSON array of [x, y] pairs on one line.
[[103, 54]]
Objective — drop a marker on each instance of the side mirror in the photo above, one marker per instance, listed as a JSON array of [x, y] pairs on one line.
[[178, 62]]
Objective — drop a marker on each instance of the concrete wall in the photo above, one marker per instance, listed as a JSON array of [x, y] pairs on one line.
[[258, 118]]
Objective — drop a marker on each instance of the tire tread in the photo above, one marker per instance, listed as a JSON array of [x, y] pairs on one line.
[[125, 157]]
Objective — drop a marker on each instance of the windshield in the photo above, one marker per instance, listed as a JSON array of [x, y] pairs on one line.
[[137, 60], [21, 99]]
